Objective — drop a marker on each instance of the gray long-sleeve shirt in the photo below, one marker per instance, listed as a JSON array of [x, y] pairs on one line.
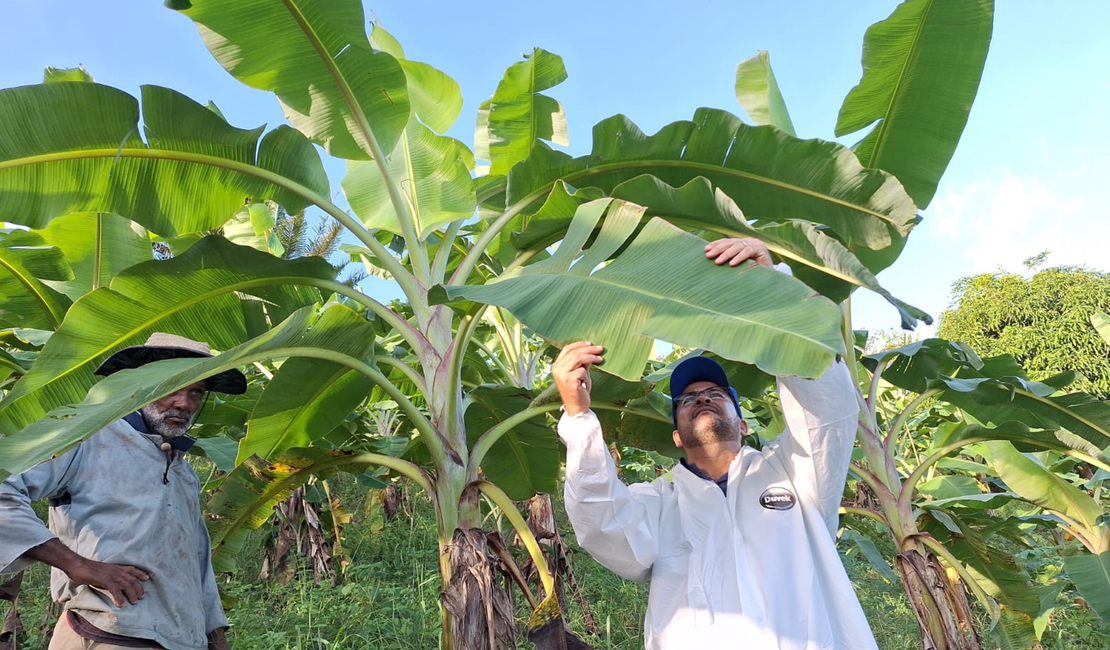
[[110, 504]]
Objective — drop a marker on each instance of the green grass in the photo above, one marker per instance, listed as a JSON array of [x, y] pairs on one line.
[[389, 597]]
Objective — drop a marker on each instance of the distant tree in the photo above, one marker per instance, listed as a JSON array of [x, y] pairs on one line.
[[888, 339], [1043, 321], [294, 234]]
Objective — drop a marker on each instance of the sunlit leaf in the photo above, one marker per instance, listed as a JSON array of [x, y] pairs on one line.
[[921, 71], [662, 286], [196, 295], [315, 56], [758, 93], [771, 175], [518, 116], [75, 147]]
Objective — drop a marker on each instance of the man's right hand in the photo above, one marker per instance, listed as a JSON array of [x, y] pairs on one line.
[[122, 581], [571, 372]]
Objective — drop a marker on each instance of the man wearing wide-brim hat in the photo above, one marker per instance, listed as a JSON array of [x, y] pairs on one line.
[[130, 551]]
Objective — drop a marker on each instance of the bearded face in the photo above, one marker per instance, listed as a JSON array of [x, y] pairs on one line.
[[168, 422], [706, 416], [172, 415]]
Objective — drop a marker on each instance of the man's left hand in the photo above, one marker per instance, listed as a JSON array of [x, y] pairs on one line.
[[735, 250], [217, 640]]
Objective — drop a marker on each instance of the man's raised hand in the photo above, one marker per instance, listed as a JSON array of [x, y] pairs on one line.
[[734, 250], [571, 372]]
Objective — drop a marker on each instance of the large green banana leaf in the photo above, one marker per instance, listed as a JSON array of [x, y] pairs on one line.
[[97, 245], [434, 171], [995, 570], [435, 97], [533, 232], [524, 461], [772, 176], [817, 259], [1016, 631], [315, 56], [128, 390], [302, 334], [307, 398], [27, 263], [1022, 437], [820, 261], [1036, 483], [630, 412], [996, 390], [993, 401], [1091, 575], [198, 294], [512, 122], [758, 93], [921, 71], [662, 287], [75, 147]]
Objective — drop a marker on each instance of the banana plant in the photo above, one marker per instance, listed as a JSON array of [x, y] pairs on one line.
[[460, 239], [1040, 481], [936, 520]]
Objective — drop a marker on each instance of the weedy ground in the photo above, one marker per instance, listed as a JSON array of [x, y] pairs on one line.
[[388, 597]]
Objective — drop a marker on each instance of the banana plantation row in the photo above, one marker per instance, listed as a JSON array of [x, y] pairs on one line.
[[133, 215]]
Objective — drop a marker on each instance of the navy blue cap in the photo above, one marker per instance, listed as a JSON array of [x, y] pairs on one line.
[[697, 369]]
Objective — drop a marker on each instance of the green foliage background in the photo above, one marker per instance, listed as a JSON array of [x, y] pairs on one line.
[[1043, 321]]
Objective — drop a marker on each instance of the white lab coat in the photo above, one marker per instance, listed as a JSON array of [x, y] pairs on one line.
[[733, 572]]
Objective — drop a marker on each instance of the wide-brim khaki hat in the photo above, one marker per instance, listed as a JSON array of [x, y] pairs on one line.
[[161, 346]]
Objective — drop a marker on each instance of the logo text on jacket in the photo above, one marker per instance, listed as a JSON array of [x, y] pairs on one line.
[[777, 498]]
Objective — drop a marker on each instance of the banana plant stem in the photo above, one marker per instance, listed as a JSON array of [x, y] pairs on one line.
[[508, 508], [900, 419], [939, 549], [412, 335]]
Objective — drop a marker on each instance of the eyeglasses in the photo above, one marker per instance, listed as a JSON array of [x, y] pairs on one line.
[[688, 398]]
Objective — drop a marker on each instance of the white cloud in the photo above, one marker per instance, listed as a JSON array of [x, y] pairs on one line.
[[999, 222]]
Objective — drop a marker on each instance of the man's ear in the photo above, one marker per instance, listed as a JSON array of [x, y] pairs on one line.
[[677, 440], [743, 428]]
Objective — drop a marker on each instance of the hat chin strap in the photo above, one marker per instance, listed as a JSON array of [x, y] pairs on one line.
[[196, 417]]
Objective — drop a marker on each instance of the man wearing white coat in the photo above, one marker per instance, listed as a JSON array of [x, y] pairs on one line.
[[739, 545]]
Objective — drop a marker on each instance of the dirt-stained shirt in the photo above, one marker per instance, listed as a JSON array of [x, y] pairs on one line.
[[118, 498]]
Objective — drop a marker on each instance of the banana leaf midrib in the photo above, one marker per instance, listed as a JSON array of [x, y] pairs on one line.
[[500, 188], [38, 296], [876, 151], [333, 69], [162, 315], [699, 308], [247, 169]]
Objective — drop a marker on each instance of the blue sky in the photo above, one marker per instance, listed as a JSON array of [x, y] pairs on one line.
[[1027, 176]]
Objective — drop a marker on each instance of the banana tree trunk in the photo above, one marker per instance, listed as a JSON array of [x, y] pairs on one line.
[[299, 532], [480, 608], [939, 602], [541, 520]]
